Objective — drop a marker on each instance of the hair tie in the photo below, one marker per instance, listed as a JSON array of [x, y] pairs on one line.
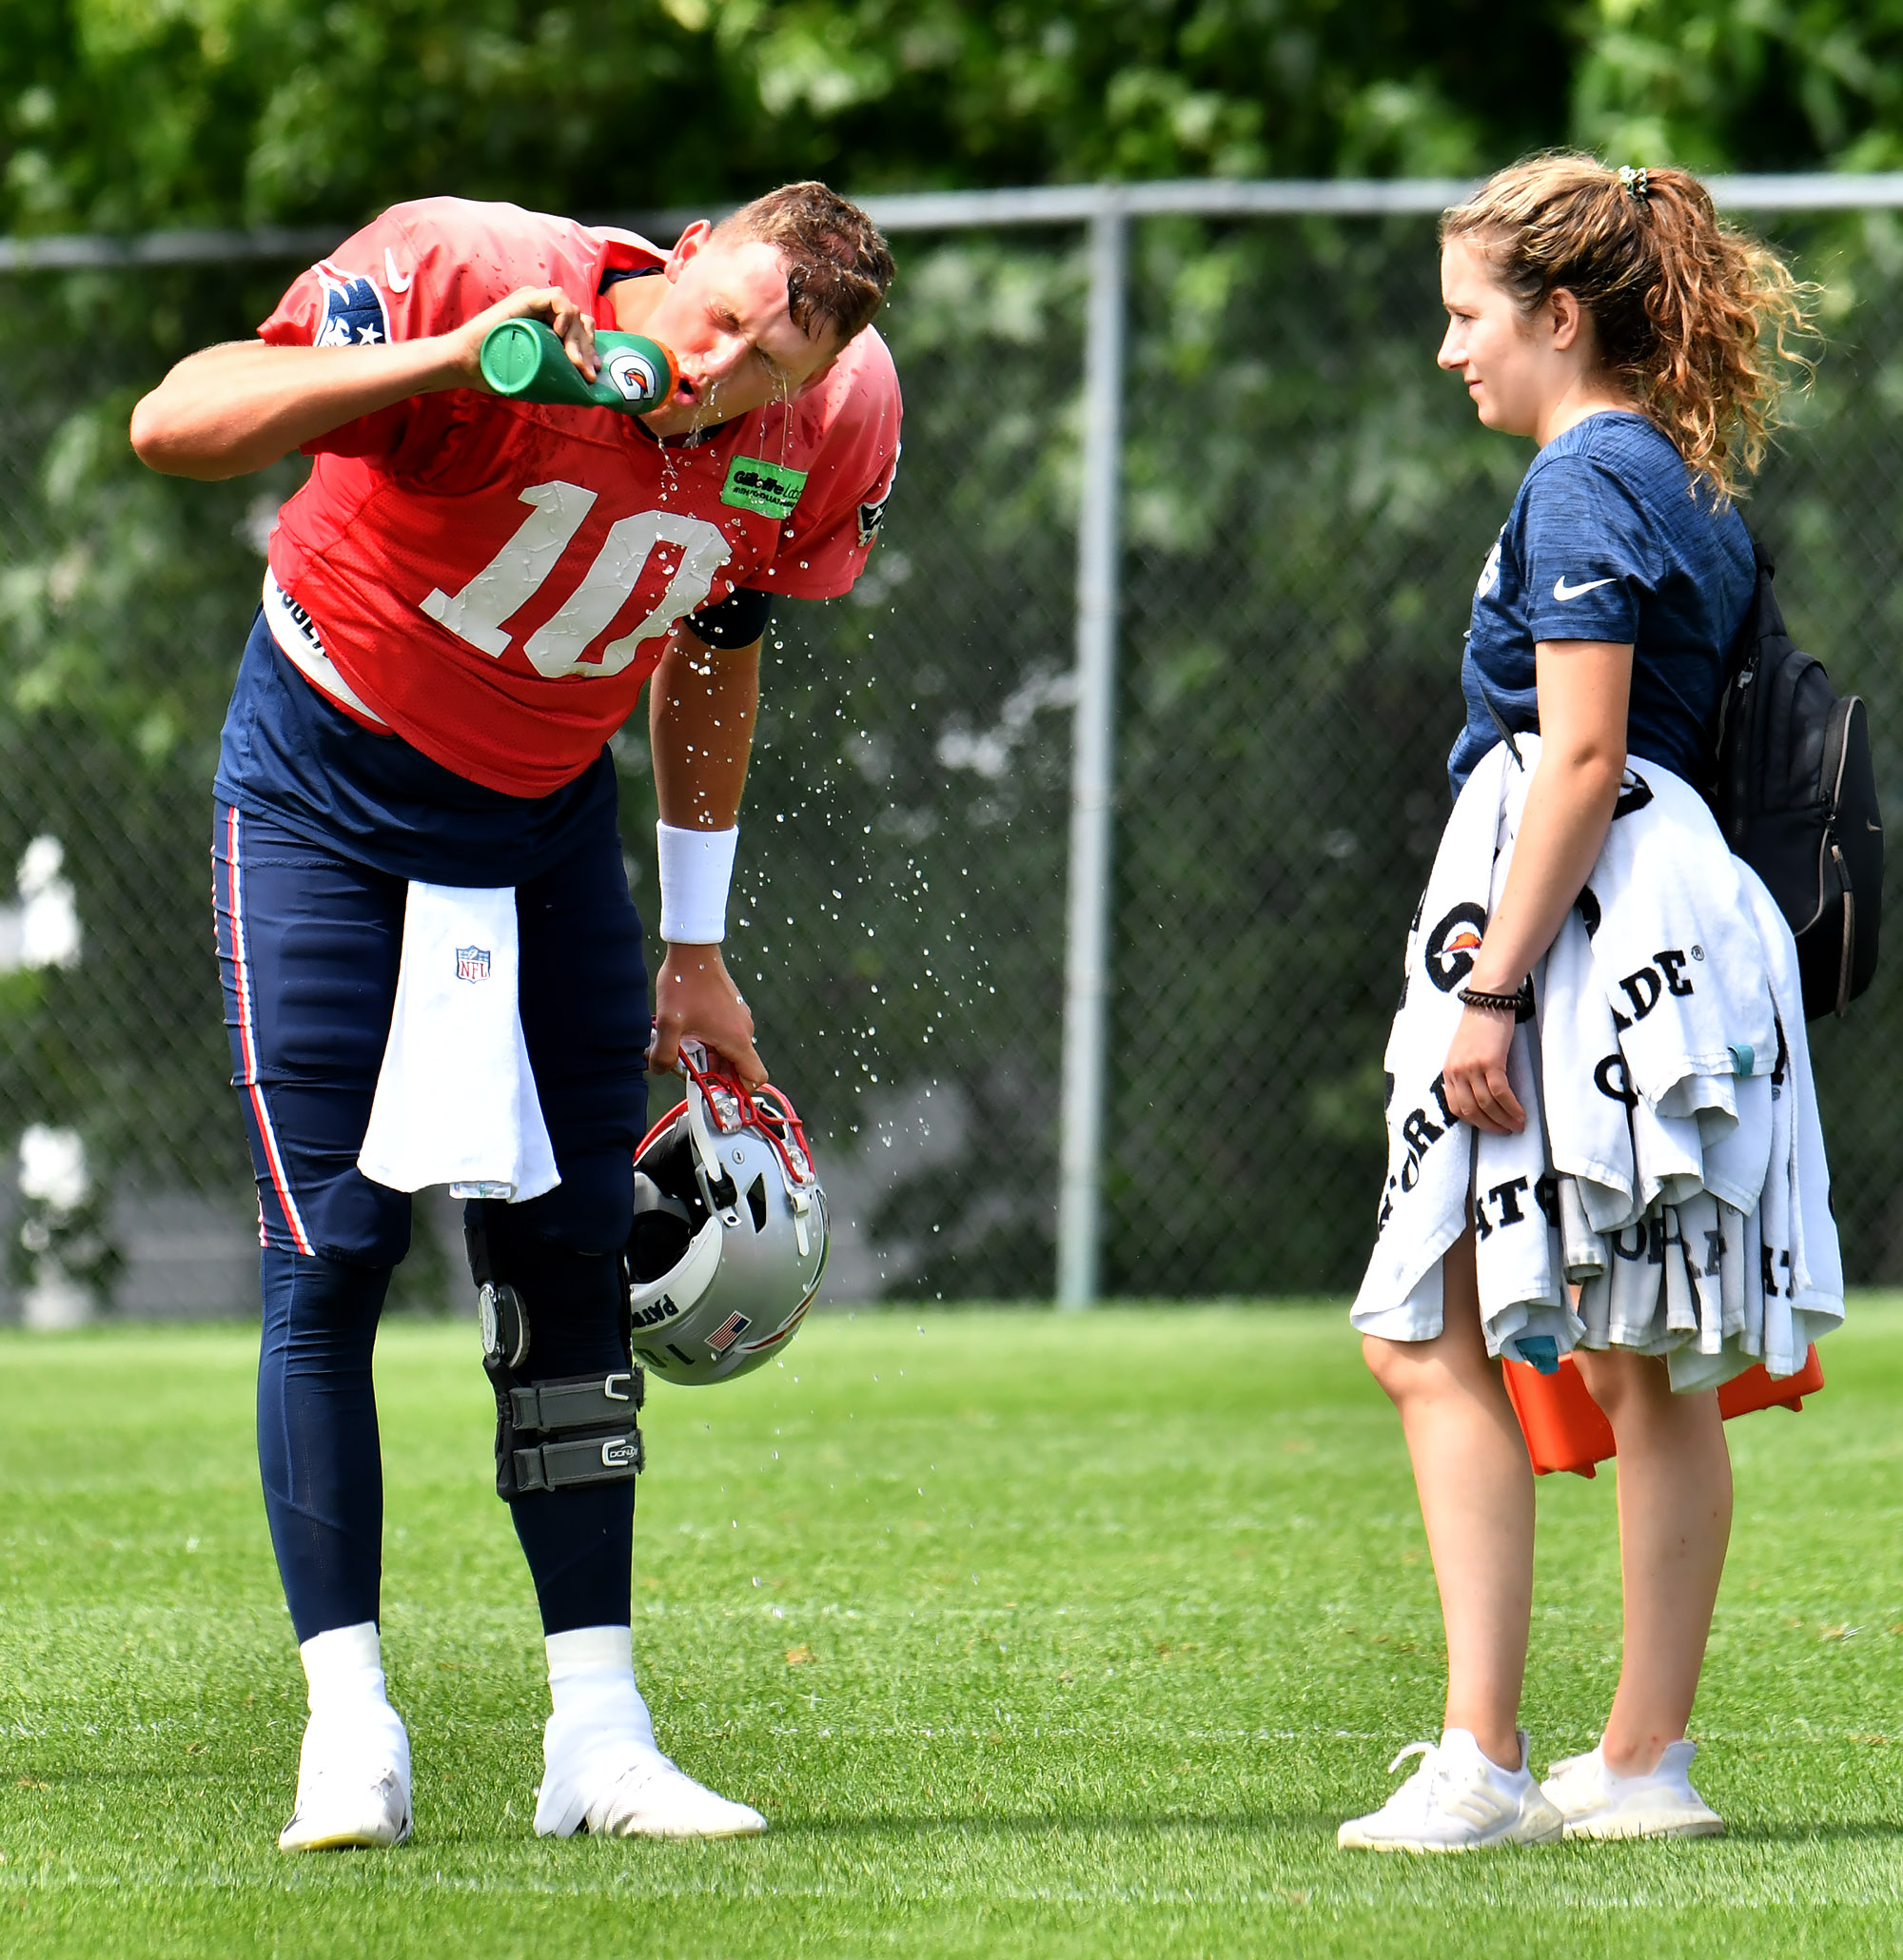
[[1634, 184]]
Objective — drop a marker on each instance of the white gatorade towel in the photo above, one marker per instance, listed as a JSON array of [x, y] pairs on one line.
[[456, 1100], [1424, 1202], [1673, 1162]]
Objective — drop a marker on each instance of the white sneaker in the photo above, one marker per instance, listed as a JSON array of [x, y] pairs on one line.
[[603, 1770], [353, 1785], [1597, 1803], [627, 1788], [1456, 1801]]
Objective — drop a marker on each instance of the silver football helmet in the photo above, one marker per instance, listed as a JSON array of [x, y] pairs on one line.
[[729, 1240]]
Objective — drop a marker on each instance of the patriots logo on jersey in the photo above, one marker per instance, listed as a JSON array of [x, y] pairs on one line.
[[353, 312]]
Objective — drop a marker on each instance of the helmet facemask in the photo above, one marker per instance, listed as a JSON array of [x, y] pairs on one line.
[[730, 1234]]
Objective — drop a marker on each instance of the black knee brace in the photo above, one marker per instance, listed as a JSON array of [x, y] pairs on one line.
[[557, 1435]]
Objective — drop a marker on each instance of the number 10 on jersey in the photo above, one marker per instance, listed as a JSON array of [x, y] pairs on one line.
[[524, 564]]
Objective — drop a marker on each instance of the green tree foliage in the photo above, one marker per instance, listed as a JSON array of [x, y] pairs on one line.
[[122, 114], [127, 114], [1748, 85]]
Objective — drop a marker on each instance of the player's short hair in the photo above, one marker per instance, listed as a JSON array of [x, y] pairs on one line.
[[1696, 319], [838, 266]]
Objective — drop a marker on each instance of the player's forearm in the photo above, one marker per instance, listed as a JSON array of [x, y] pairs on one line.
[[239, 407], [701, 705], [1584, 688], [1569, 807]]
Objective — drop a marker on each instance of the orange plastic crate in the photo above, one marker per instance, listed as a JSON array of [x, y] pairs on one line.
[[1565, 1429]]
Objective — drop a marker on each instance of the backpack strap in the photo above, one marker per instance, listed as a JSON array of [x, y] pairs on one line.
[[1762, 614], [1763, 619]]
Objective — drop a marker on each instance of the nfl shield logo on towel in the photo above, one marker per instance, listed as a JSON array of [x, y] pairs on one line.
[[472, 962], [730, 1330]]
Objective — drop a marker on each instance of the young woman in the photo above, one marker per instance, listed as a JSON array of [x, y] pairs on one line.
[[1610, 317]]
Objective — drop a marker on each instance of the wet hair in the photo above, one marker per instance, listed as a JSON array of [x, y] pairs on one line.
[[1694, 318], [838, 266]]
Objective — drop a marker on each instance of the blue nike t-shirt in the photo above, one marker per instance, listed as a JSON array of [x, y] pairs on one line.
[[1607, 540]]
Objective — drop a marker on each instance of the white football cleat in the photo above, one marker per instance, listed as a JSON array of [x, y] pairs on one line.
[[1457, 1802], [603, 1770], [1597, 1803], [652, 1797], [623, 1786], [353, 1789]]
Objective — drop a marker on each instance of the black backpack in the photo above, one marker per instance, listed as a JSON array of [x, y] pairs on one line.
[[1795, 793]]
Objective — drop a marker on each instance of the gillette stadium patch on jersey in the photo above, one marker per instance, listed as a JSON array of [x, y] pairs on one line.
[[766, 487]]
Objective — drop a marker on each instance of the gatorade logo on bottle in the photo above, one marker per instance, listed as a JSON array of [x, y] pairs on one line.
[[634, 375]]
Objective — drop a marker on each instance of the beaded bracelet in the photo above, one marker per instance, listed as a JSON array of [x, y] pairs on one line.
[[1493, 1003]]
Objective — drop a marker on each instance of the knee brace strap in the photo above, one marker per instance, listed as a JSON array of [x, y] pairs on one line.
[[537, 1443], [577, 1402], [564, 1464], [553, 1409]]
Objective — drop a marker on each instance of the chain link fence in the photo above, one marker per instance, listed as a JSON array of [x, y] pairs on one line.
[[1306, 506]]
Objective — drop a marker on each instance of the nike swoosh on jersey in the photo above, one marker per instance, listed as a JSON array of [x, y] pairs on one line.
[[1562, 591], [396, 284]]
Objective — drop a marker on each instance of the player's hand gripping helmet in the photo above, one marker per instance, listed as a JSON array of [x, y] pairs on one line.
[[729, 1239]]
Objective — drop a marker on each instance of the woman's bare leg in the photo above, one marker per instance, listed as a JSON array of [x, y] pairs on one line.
[[1674, 1525], [1476, 1486]]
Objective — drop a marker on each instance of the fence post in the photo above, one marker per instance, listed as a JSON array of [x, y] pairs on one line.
[[1087, 978]]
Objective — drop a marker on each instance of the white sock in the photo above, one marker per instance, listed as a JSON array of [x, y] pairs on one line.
[[343, 1670], [1517, 1776], [591, 1683], [1668, 1765], [352, 1723]]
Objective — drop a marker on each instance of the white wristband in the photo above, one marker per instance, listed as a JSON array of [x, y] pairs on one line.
[[697, 867]]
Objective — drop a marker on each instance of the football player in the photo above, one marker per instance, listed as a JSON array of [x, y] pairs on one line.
[[461, 606]]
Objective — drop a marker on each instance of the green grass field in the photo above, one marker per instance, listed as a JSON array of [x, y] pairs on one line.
[[1031, 1636]]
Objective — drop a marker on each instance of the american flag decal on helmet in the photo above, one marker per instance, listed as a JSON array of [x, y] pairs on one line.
[[729, 1331]]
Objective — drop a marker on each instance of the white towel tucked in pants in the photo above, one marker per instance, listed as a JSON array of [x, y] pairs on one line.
[[456, 1100]]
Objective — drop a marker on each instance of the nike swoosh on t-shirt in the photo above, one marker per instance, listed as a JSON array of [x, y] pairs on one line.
[[1562, 591]]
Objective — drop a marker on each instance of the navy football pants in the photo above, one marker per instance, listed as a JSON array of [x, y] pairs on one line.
[[308, 943]]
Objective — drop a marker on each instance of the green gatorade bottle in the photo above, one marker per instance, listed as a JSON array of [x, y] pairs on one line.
[[525, 358]]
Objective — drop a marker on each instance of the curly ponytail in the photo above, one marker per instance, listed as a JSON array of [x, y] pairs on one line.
[[1693, 318]]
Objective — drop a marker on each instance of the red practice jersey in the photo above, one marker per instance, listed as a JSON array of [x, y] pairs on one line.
[[493, 580]]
